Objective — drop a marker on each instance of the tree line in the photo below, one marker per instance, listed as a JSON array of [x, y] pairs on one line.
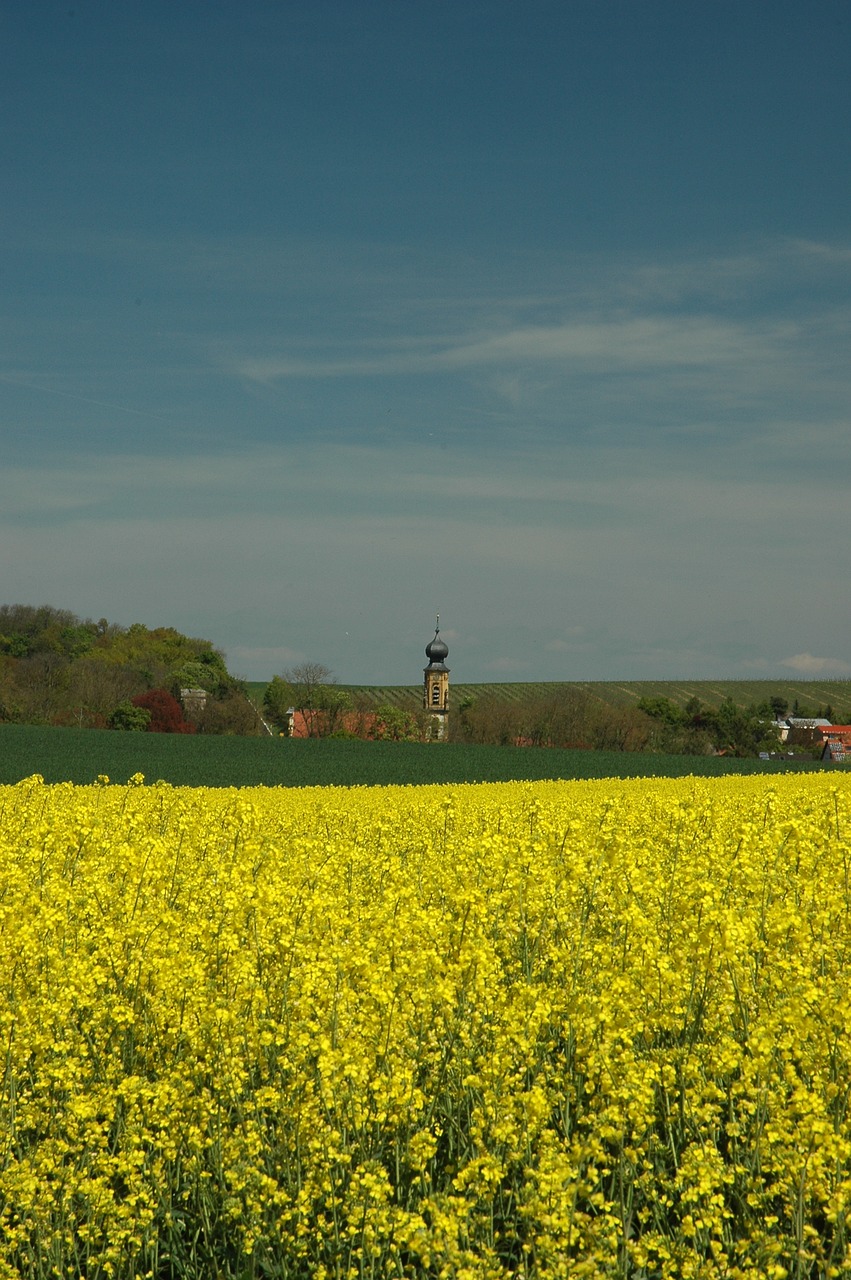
[[566, 717], [56, 668], [560, 717]]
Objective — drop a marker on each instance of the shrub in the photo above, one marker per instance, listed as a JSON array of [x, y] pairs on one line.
[[133, 719], [166, 712]]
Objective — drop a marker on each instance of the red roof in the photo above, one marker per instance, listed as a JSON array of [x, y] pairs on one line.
[[311, 724]]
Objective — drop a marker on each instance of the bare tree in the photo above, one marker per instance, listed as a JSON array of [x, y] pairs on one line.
[[306, 680], [96, 688]]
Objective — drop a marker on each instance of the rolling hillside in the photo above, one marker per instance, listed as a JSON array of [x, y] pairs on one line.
[[810, 695]]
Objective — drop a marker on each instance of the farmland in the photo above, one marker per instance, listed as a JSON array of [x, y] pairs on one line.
[[808, 694], [529, 1030], [82, 755]]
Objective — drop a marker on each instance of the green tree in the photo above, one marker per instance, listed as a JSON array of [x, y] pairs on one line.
[[198, 675], [662, 709], [395, 724], [328, 716], [278, 699], [739, 731], [676, 730], [130, 718]]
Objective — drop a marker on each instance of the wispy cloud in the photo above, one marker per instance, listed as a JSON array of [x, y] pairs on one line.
[[632, 343], [807, 664], [548, 462], [580, 485]]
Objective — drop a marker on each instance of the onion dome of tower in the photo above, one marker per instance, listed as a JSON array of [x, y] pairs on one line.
[[437, 651]]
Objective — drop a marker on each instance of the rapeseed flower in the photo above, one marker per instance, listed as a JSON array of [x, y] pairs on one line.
[[550, 1029]]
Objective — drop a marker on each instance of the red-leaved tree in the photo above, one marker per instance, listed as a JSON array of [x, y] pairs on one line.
[[166, 712]]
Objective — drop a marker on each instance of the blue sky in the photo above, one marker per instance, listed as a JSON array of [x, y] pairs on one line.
[[318, 319]]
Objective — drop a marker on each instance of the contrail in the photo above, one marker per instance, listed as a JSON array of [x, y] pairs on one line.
[[69, 395]]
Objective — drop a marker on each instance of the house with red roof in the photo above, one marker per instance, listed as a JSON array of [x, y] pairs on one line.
[[837, 742]]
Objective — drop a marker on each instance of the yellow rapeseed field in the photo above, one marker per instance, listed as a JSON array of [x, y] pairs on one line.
[[539, 1030]]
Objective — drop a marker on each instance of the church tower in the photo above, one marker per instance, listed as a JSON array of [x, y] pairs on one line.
[[436, 685]]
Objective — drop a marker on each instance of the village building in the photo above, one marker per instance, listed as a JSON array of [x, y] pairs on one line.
[[194, 701], [801, 730], [837, 742], [315, 724]]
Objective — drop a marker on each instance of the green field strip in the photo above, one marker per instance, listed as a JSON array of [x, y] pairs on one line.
[[81, 756]]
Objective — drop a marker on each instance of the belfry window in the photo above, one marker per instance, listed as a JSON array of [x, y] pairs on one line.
[[435, 695]]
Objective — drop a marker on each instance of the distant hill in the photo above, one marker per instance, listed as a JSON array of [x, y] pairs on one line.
[[810, 695]]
